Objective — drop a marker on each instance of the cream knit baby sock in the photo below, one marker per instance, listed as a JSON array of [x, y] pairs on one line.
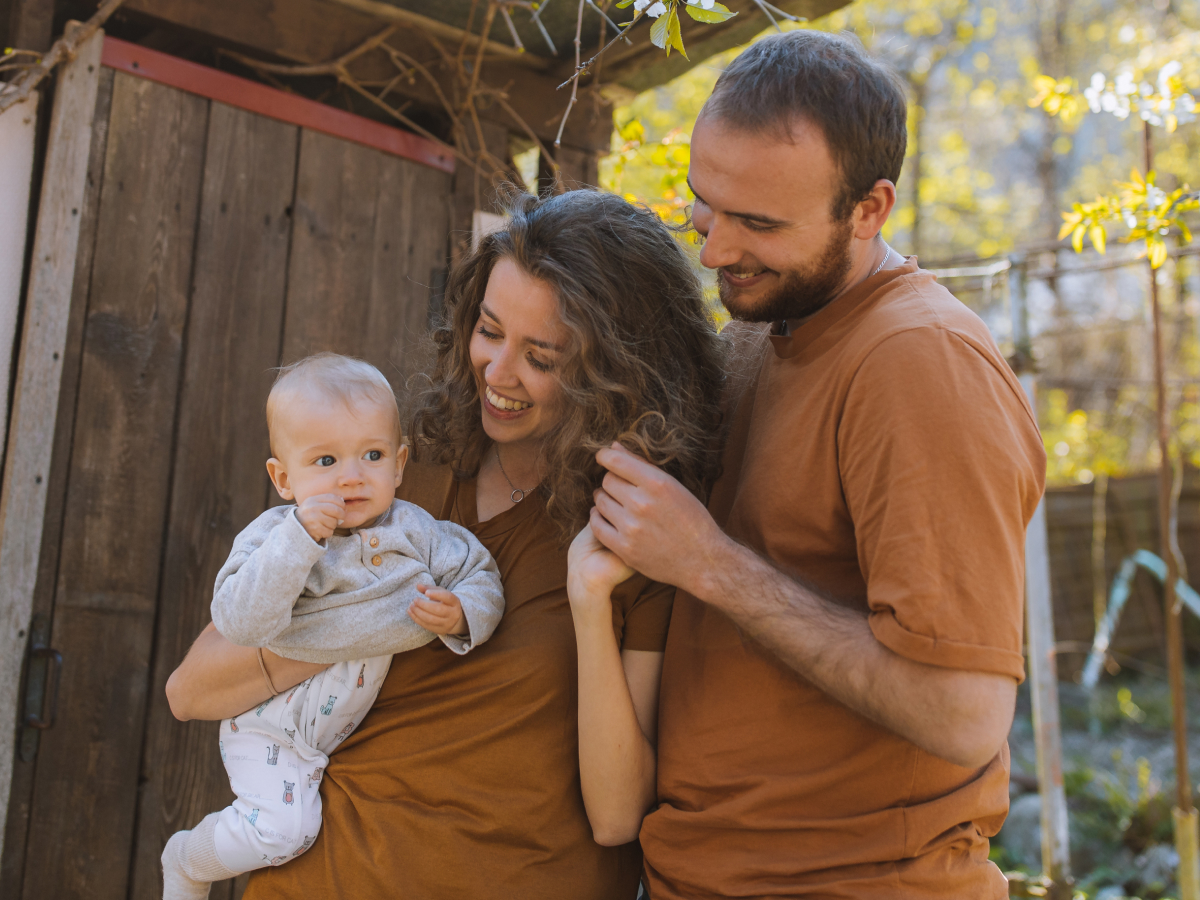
[[190, 863]]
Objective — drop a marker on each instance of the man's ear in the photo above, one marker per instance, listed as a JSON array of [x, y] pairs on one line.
[[873, 210], [401, 462], [279, 478]]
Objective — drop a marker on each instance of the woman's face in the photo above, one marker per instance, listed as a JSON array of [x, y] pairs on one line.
[[516, 348]]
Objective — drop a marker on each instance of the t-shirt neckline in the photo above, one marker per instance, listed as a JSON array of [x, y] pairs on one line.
[[804, 335], [467, 510]]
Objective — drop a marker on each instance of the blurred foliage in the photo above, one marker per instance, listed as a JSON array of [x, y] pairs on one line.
[[971, 66], [1150, 213], [1116, 815], [995, 173]]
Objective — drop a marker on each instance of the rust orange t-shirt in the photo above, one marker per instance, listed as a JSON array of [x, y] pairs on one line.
[[463, 780], [885, 454]]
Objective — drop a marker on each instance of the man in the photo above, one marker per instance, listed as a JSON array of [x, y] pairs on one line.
[[843, 658]]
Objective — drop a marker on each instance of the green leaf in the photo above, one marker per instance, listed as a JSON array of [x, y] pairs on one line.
[[1157, 251], [1077, 238], [633, 131], [624, 4], [719, 13], [660, 31], [1096, 233], [674, 36]]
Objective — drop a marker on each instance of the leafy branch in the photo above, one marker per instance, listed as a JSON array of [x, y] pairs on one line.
[[1149, 212]]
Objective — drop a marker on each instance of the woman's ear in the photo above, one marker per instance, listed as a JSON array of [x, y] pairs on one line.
[[279, 478]]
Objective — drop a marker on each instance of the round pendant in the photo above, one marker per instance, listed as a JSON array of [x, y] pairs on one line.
[[517, 495]]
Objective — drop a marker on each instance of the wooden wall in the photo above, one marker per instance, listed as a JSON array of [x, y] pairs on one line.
[[1132, 524], [216, 245]]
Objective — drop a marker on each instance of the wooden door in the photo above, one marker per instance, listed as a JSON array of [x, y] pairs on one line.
[[217, 244]]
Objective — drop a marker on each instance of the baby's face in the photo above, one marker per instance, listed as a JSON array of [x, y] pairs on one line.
[[325, 446]]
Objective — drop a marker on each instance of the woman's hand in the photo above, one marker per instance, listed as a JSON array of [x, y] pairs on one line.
[[592, 572], [618, 694]]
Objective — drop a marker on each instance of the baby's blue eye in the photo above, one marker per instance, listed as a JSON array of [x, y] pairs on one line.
[[374, 455], [326, 461]]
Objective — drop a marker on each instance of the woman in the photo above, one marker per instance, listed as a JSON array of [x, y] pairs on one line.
[[578, 324]]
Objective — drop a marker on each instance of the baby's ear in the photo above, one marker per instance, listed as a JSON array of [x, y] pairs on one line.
[[279, 478], [401, 462]]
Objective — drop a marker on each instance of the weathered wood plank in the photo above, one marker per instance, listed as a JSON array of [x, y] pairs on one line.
[[13, 865], [18, 129], [81, 832], [220, 479], [39, 376], [368, 231]]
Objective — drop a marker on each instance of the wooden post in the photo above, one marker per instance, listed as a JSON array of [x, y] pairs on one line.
[[1043, 661], [472, 192], [39, 375], [1188, 875], [17, 130]]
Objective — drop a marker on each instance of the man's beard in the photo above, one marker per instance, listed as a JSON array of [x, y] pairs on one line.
[[801, 292]]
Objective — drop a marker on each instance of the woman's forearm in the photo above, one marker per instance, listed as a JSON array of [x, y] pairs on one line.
[[218, 679], [616, 758]]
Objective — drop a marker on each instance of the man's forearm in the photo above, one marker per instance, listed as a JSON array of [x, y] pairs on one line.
[[960, 716]]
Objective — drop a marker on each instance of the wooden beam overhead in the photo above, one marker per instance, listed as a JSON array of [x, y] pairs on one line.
[[310, 32], [645, 66], [385, 12]]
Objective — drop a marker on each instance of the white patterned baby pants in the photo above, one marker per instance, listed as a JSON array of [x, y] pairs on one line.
[[275, 756]]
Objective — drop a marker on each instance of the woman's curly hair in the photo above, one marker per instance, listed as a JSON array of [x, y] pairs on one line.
[[643, 365]]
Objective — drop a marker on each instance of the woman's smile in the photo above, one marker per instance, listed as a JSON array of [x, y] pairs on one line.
[[498, 403]]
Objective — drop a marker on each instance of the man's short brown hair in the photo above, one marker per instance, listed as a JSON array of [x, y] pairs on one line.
[[828, 80]]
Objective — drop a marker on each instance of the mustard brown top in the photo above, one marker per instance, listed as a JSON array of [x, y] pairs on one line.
[[884, 453], [463, 780]]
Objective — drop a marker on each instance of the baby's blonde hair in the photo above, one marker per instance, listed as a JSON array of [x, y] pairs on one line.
[[344, 378]]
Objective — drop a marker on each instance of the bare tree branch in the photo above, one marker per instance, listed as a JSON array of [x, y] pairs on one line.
[[575, 79], [64, 48]]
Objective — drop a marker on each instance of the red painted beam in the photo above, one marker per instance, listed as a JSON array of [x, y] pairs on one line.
[[268, 101]]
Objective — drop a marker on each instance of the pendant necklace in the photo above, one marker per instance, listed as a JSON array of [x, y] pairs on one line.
[[517, 494]]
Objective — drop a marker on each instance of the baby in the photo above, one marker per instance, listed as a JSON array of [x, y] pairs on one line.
[[328, 580]]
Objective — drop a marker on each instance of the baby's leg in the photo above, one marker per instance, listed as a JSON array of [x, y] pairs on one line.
[[272, 818], [190, 863], [339, 699]]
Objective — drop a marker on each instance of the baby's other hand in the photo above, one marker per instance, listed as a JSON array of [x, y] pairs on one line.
[[438, 611], [321, 515]]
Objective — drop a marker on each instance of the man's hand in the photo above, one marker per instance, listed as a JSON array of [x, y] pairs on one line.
[[438, 611], [653, 522], [321, 515], [655, 525]]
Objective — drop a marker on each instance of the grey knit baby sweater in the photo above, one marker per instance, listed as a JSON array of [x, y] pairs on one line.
[[349, 599]]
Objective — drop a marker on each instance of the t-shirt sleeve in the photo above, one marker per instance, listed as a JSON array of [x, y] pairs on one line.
[[942, 467], [642, 614]]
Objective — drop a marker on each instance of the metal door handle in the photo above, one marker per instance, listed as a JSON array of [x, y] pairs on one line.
[[35, 692]]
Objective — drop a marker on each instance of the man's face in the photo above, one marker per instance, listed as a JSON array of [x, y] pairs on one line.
[[763, 204]]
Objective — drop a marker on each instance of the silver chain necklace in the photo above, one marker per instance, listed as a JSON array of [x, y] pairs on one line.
[[879, 267], [517, 494]]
